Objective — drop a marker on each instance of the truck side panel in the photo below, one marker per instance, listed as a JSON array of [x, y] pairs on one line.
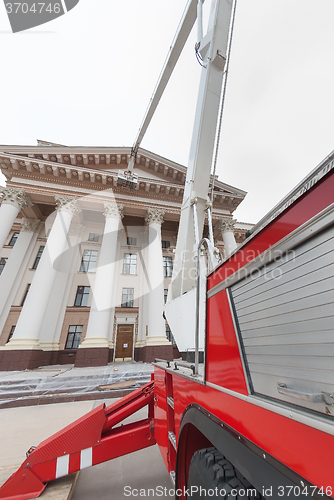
[[223, 361], [305, 450], [319, 197]]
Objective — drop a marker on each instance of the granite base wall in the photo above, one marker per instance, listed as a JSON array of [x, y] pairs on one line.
[[92, 356], [25, 359], [148, 354]]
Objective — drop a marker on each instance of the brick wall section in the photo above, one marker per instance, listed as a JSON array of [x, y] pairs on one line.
[[92, 356], [20, 360], [149, 353]]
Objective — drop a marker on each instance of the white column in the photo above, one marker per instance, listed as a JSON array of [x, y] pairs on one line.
[[28, 327], [156, 322], [101, 313], [13, 200], [143, 291], [14, 269], [226, 226], [66, 269]]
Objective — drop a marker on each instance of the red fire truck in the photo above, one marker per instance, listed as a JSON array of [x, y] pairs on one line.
[[256, 418]]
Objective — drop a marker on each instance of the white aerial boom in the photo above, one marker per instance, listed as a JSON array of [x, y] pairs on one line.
[[212, 49]]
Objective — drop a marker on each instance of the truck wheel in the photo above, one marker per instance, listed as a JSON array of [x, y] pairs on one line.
[[210, 471]]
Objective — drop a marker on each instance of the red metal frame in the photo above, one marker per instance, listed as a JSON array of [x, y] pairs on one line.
[[88, 441], [286, 440], [302, 448]]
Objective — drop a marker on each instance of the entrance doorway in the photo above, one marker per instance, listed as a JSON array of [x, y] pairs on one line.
[[124, 343]]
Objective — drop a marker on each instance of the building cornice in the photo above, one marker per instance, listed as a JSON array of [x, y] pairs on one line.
[[98, 162], [94, 180]]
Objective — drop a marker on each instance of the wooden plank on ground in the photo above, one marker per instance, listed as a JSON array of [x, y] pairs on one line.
[[118, 385]]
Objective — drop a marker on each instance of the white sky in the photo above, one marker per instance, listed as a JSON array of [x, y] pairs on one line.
[[86, 79]]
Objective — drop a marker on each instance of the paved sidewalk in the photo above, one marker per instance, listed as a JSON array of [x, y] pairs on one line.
[[139, 474], [21, 428]]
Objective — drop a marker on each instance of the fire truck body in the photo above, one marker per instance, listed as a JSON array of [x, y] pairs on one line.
[[265, 400]]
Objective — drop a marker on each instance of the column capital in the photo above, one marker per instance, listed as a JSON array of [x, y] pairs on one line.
[[31, 225], [113, 210], [67, 203], [16, 197], [75, 229], [154, 215], [225, 225]]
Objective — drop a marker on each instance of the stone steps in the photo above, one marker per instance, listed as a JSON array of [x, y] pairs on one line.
[[68, 386]]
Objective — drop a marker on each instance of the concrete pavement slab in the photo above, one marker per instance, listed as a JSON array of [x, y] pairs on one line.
[[21, 428]]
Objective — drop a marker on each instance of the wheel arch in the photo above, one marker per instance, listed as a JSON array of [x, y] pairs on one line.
[[200, 429]]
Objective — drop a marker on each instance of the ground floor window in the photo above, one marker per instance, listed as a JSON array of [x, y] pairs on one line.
[[73, 336]]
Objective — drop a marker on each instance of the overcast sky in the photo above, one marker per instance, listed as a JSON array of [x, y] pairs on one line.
[[86, 79]]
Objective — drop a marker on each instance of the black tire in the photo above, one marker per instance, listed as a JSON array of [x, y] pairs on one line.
[[210, 471]]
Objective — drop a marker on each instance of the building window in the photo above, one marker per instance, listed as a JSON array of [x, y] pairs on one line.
[[165, 294], [81, 298], [25, 294], [127, 297], [12, 330], [93, 237], [88, 262], [3, 261], [13, 239], [131, 241], [130, 263], [165, 244], [73, 337], [38, 257], [169, 335], [168, 265]]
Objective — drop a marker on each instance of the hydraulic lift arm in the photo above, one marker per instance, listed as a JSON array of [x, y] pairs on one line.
[[212, 52], [184, 293], [128, 178], [90, 440]]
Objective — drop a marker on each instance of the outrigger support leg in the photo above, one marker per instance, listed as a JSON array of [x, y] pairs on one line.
[[90, 440]]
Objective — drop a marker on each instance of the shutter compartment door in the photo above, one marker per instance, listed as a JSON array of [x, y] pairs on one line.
[[285, 315]]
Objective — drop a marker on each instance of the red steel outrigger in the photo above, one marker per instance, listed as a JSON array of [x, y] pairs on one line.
[[90, 440]]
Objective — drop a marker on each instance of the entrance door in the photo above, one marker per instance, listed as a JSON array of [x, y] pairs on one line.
[[124, 342]]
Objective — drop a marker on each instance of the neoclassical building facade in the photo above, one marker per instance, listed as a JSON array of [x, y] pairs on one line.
[[85, 264]]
